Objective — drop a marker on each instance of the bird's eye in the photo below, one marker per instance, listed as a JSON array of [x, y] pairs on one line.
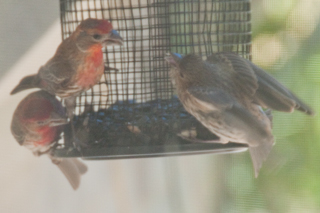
[[96, 36], [40, 123]]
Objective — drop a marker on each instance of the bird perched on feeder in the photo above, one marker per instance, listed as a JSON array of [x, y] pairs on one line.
[[37, 124], [226, 93], [77, 64]]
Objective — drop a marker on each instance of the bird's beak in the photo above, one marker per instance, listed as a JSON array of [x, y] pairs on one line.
[[173, 59], [57, 120], [113, 39]]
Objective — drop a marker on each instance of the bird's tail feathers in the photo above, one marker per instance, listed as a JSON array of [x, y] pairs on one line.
[[259, 154], [301, 106], [81, 166], [72, 169], [28, 82]]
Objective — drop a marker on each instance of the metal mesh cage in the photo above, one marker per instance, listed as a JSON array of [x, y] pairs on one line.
[[135, 105]]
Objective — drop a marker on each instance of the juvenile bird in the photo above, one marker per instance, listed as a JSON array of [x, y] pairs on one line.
[[77, 64], [226, 93], [37, 124]]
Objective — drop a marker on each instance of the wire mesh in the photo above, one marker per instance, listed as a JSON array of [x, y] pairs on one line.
[[139, 97]]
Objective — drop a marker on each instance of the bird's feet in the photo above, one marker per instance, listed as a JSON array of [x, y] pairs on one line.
[[79, 145], [107, 69], [78, 138]]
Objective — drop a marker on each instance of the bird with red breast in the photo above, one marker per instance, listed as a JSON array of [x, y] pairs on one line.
[[37, 124], [77, 65]]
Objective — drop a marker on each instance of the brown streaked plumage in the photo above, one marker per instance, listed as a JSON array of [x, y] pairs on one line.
[[270, 92], [226, 92]]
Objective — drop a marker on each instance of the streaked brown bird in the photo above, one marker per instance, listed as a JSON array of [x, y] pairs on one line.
[[226, 93], [77, 64], [37, 124]]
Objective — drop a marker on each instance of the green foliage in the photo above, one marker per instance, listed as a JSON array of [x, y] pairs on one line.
[[289, 180]]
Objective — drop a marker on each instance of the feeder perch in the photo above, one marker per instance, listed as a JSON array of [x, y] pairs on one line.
[[133, 111]]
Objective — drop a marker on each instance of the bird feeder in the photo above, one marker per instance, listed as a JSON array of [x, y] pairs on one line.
[[133, 111]]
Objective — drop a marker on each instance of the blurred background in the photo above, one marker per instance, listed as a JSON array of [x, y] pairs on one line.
[[285, 42]]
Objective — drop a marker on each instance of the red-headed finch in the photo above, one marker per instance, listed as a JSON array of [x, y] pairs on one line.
[[226, 93], [77, 64], [37, 124]]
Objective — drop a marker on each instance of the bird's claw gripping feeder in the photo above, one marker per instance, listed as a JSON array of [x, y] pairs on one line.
[[133, 111]]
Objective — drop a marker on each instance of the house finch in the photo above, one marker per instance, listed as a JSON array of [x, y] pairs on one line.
[[226, 92], [77, 64], [37, 124]]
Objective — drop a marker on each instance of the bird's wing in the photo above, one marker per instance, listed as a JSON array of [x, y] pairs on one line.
[[269, 93], [211, 98], [234, 114], [272, 94], [236, 72], [60, 78], [57, 72]]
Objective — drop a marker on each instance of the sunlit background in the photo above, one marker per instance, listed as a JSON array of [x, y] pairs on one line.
[[286, 42]]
